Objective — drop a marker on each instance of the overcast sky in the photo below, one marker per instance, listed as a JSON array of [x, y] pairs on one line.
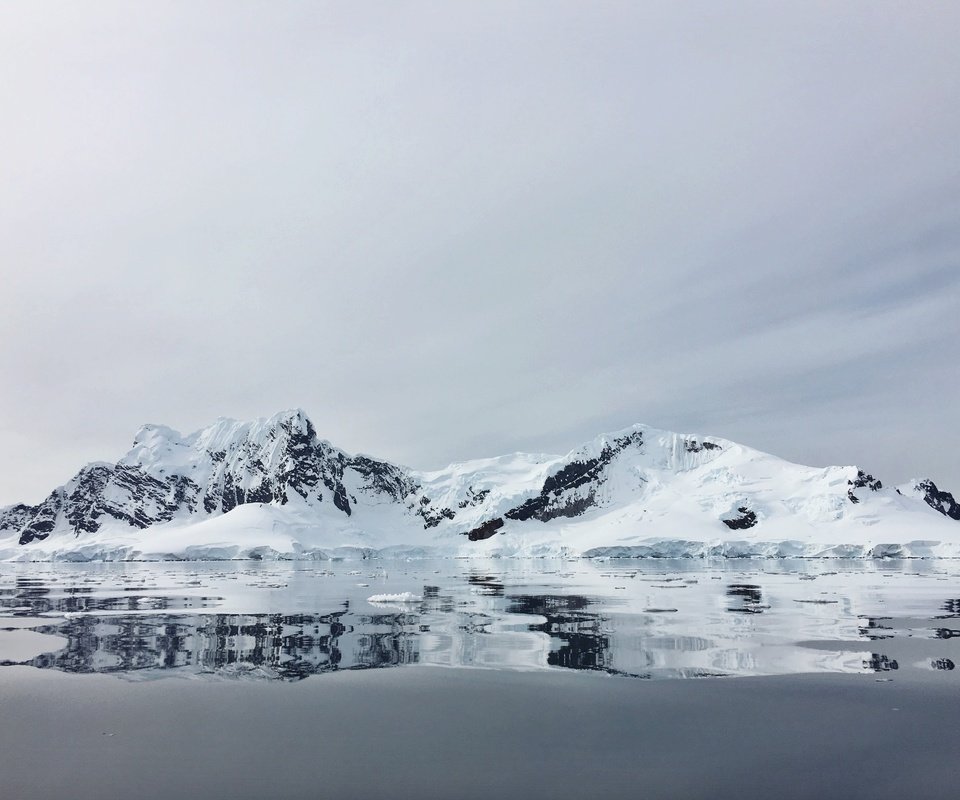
[[455, 229]]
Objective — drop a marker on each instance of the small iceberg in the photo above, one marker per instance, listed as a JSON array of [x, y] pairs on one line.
[[402, 597]]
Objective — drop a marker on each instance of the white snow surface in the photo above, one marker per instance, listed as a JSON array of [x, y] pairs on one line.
[[663, 494]]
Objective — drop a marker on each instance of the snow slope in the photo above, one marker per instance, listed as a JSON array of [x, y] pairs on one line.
[[272, 489]]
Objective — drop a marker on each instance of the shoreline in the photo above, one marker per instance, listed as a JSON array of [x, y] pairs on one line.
[[333, 558]]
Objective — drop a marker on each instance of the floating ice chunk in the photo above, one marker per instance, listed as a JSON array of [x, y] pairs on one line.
[[402, 597]]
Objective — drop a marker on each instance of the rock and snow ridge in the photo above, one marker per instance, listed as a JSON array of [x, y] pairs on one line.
[[272, 489]]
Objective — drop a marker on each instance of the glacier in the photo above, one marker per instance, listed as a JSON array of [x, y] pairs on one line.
[[272, 489]]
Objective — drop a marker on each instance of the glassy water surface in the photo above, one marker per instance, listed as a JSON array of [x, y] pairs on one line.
[[639, 618]]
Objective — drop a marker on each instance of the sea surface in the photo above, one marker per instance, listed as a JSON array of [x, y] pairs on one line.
[[642, 619], [468, 680]]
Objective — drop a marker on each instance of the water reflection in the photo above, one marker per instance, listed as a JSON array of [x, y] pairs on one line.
[[874, 629], [639, 621], [577, 640], [749, 597], [32, 597], [488, 584], [880, 663], [952, 607]]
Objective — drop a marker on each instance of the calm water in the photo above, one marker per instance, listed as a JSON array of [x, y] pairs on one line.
[[646, 619]]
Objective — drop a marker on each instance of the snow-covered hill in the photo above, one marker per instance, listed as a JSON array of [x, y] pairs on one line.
[[271, 488]]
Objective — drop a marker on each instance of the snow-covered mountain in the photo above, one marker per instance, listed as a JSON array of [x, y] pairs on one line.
[[272, 488]]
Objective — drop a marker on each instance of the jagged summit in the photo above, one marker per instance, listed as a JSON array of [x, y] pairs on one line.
[[272, 486], [167, 476]]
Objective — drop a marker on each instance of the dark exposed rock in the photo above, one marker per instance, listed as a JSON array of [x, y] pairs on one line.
[[862, 481], [485, 531], [747, 519], [229, 495], [16, 518], [693, 446], [383, 478], [302, 459], [259, 494], [554, 500], [473, 498], [559, 496], [434, 516], [576, 473], [938, 500], [121, 492], [340, 499], [82, 504], [530, 509], [572, 507], [45, 520], [185, 492]]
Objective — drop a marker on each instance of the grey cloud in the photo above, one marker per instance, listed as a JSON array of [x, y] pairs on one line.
[[451, 230]]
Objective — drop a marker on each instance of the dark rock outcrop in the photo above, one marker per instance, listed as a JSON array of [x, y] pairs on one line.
[[485, 531], [18, 517], [746, 519], [939, 500], [558, 497], [42, 523], [568, 492], [433, 516], [862, 481], [473, 498], [693, 446]]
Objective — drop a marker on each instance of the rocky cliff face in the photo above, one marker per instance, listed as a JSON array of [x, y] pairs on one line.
[[166, 476], [937, 499], [107, 491], [567, 491]]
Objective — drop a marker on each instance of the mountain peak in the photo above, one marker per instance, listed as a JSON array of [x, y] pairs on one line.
[[294, 419]]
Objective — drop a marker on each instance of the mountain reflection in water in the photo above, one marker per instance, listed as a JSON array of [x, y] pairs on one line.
[[635, 620]]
